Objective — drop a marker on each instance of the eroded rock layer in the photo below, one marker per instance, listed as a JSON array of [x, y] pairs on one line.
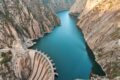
[[100, 23]]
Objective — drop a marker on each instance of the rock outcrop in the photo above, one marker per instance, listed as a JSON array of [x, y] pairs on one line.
[[58, 5], [100, 24]]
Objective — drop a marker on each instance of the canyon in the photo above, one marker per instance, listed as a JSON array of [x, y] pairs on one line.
[[67, 48], [99, 21], [24, 21]]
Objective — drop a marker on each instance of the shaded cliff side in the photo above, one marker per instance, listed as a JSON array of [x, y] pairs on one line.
[[100, 23], [24, 20], [58, 5]]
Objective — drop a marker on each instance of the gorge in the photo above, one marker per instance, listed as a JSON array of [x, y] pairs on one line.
[[66, 46], [39, 40]]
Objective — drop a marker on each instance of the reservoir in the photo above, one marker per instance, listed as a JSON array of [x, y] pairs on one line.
[[66, 47]]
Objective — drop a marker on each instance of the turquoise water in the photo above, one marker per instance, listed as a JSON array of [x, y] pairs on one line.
[[66, 46]]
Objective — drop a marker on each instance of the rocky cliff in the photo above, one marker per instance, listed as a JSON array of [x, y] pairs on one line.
[[58, 5], [100, 23], [82, 7], [77, 7], [24, 20]]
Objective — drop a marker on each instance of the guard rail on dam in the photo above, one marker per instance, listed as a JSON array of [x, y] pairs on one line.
[[42, 67]]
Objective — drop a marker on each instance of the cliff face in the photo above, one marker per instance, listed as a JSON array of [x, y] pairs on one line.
[[82, 7], [58, 5], [21, 20], [100, 24]]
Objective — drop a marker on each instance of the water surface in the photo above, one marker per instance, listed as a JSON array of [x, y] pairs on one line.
[[66, 46]]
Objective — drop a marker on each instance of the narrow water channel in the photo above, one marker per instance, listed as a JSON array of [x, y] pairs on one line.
[[66, 46]]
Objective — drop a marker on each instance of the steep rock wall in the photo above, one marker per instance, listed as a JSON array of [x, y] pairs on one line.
[[100, 24], [82, 7], [78, 7], [21, 20]]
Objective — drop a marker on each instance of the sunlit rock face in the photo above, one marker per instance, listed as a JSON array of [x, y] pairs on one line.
[[89, 5], [21, 20], [58, 5], [100, 23], [78, 7], [82, 7]]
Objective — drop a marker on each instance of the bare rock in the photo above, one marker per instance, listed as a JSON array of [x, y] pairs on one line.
[[100, 23], [24, 19]]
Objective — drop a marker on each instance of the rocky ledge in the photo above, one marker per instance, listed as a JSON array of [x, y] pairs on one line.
[[100, 24]]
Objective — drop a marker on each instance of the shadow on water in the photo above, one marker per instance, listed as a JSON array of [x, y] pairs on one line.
[[96, 69]]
